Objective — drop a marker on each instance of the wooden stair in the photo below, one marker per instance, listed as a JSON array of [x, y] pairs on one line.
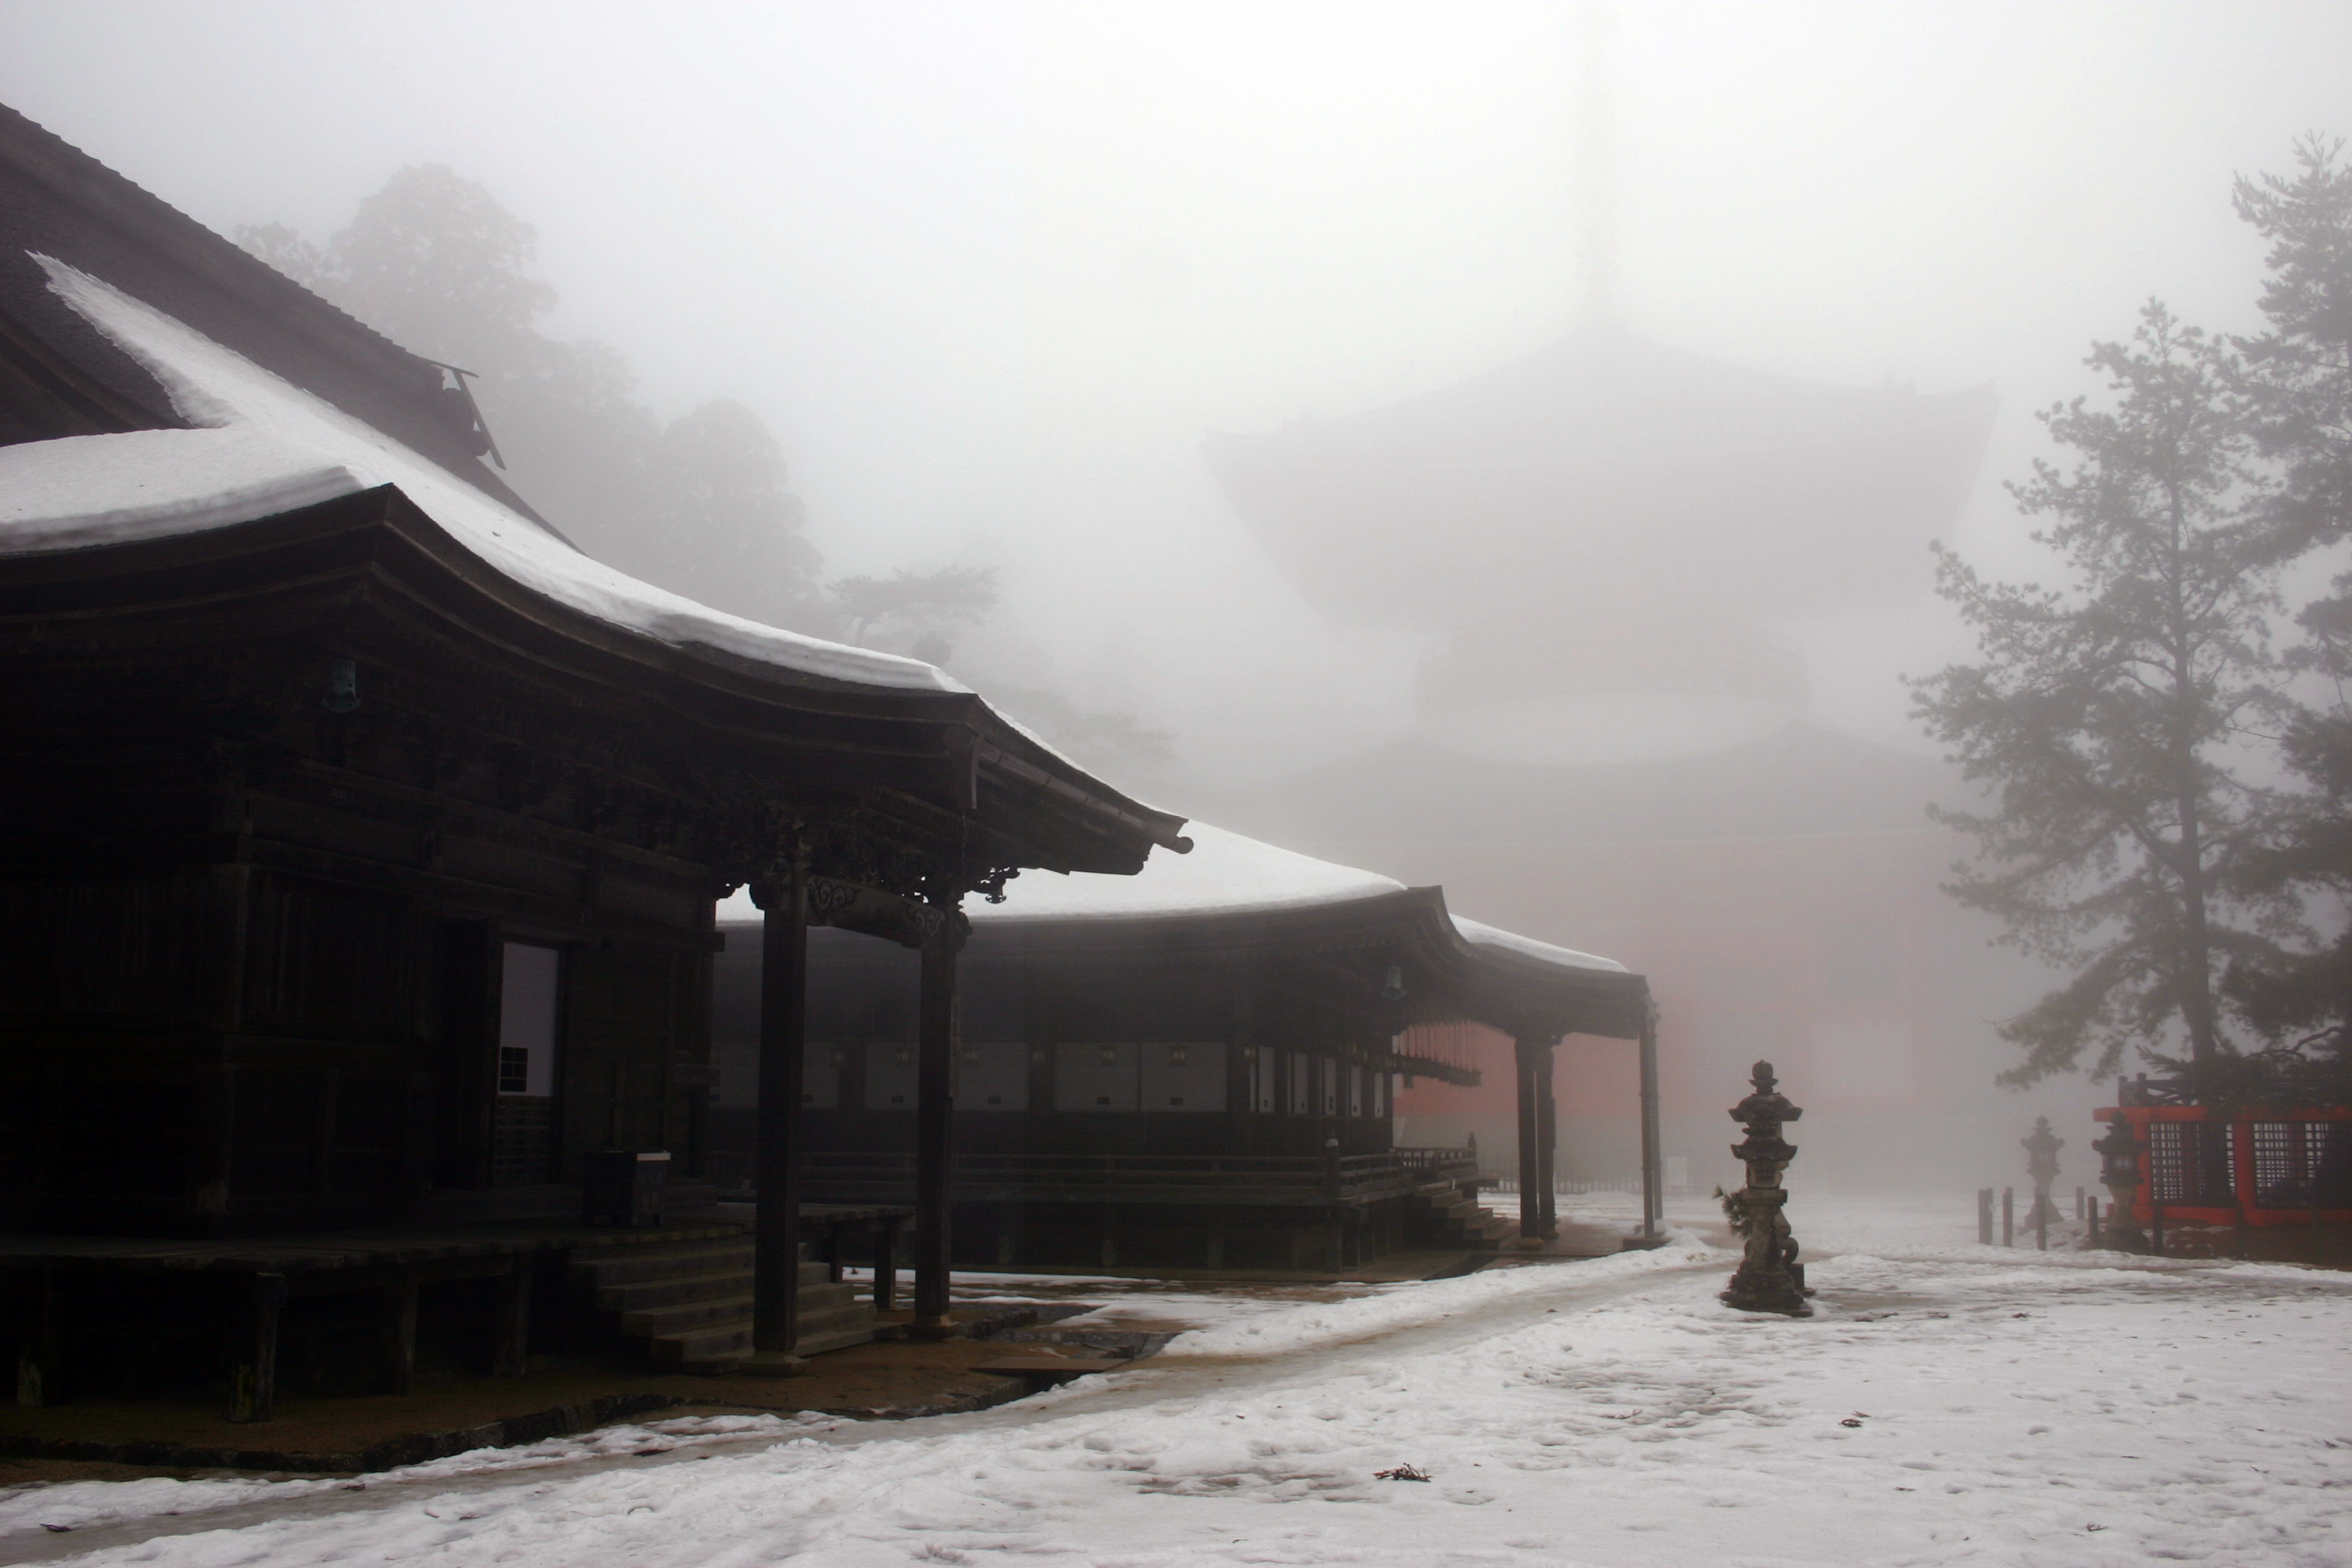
[[1458, 1219], [688, 1303]]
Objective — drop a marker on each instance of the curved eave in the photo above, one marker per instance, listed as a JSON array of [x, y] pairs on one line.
[[947, 747], [1545, 1001], [1455, 980]]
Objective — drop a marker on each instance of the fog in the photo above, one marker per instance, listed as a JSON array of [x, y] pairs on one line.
[[992, 273]]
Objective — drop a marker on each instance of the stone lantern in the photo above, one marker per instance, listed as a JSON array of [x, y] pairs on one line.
[[2041, 1147], [1769, 1278], [2119, 1153]]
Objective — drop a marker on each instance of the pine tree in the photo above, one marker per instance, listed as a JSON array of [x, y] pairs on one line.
[[2298, 377], [698, 506], [2106, 717]]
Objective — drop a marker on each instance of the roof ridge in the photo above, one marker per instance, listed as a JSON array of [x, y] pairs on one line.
[[79, 176]]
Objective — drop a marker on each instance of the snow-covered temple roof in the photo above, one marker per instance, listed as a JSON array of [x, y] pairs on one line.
[[172, 399], [261, 445], [1227, 875]]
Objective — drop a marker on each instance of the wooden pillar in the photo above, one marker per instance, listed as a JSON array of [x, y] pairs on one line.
[[1654, 1180], [253, 1382], [1547, 1144], [510, 1342], [783, 1042], [1530, 1136], [935, 1048]]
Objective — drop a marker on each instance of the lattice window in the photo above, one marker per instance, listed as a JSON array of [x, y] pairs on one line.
[[2191, 1163], [2300, 1162]]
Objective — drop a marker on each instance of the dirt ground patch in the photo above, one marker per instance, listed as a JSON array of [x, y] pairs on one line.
[[118, 1439]]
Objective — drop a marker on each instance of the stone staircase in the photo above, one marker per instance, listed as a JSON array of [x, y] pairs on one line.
[[688, 1303], [1445, 1216]]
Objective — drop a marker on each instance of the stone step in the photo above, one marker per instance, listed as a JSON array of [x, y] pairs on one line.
[[731, 1236], [689, 1302], [662, 1322], [718, 1347], [814, 1319], [715, 1355], [837, 1338], [641, 1295], [683, 1258], [814, 1323]]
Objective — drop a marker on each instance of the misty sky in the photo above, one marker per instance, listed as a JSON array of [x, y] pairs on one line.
[[991, 271]]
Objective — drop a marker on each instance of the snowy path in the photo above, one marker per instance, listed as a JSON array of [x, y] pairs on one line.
[[2010, 1409]]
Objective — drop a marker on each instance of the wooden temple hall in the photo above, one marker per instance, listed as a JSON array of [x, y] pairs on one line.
[[360, 844], [1191, 1068]]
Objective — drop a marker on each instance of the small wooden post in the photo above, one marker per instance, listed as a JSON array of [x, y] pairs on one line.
[[253, 1382], [36, 1351], [511, 1351], [885, 1263], [2009, 1216], [400, 1329], [2041, 1228], [2091, 1223], [1984, 1216], [1335, 1243]]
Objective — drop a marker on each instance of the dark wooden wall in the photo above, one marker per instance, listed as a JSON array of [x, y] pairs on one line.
[[245, 992], [862, 1000]]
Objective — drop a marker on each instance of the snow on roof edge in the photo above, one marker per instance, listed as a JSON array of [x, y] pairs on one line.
[[1478, 933], [216, 388], [84, 491]]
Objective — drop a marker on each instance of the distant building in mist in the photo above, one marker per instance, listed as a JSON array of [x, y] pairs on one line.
[[1610, 740], [1604, 532]]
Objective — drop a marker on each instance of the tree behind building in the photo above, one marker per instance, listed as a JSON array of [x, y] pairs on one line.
[[2108, 718]]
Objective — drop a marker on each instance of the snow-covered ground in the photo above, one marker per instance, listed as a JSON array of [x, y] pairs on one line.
[[1947, 1404]]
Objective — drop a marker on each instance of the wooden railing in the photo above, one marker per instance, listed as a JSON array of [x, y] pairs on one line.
[[1255, 1180]]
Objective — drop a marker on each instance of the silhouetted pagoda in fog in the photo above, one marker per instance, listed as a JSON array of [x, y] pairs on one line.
[[1609, 738], [1610, 520]]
